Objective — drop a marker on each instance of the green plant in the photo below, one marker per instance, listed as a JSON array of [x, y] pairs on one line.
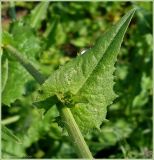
[[81, 89], [60, 31]]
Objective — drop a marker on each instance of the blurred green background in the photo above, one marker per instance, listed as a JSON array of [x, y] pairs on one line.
[[64, 30]]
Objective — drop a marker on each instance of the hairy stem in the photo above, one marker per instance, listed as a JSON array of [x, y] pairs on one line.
[[74, 132], [72, 128]]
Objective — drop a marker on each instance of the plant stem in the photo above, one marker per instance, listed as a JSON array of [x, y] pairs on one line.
[[72, 128], [74, 132], [27, 65], [5, 71]]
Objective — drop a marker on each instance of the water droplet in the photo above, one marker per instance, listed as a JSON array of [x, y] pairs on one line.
[[83, 51]]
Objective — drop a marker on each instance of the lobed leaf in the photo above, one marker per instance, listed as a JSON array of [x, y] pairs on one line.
[[14, 84], [25, 40], [14, 75], [86, 83]]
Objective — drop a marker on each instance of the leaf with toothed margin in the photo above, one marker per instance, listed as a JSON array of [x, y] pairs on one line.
[[14, 76], [85, 84]]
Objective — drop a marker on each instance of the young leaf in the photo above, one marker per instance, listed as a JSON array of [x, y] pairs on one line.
[[86, 83], [38, 14]]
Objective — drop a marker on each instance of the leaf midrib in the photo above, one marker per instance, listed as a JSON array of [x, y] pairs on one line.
[[111, 41]]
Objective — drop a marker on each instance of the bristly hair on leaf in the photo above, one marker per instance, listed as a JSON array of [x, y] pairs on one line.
[[88, 79]]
